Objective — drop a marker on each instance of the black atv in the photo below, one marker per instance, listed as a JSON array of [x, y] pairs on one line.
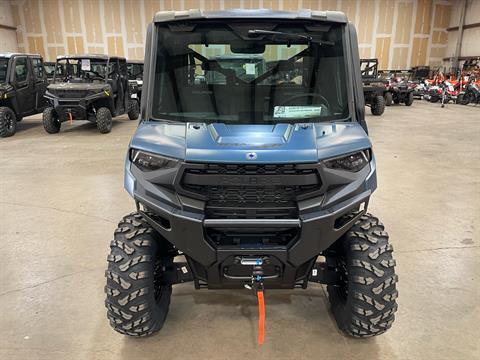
[[135, 77], [374, 89], [89, 87], [22, 85]]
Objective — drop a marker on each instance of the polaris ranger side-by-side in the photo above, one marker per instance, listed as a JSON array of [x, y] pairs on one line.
[[374, 89], [258, 182], [22, 85], [89, 87]]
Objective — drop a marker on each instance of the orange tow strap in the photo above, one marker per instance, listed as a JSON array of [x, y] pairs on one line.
[[70, 115], [261, 317]]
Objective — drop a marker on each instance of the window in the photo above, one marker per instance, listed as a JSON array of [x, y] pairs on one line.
[[3, 69], [21, 70], [81, 70], [37, 68], [214, 72], [135, 71], [123, 67], [112, 69]]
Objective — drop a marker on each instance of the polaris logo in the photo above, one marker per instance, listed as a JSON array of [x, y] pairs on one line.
[[251, 156]]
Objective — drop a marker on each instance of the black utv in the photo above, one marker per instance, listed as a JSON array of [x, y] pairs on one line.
[[89, 87], [22, 85]]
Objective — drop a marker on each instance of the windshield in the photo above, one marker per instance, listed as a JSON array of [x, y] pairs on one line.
[[81, 70], [250, 73], [3, 70], [49, 69], [135, 71]]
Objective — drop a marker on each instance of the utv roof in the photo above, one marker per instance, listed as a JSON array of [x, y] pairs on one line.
[[9, 55], [304, 14], [90, 56]]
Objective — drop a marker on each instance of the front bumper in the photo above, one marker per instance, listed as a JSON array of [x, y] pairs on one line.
[[76, 107], [217, 266]]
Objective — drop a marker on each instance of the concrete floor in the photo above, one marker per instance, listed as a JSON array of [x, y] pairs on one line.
[[62, 195]]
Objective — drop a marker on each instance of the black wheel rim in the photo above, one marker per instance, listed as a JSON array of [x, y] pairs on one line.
[[9, 121], [55, 120]]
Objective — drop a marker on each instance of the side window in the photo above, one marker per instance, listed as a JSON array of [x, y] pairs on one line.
[[112, 68], [38, 69], [21, 69], [123, 67]]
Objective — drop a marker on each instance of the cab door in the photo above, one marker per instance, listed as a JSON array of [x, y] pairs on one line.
[[24, 86], [40, 83]]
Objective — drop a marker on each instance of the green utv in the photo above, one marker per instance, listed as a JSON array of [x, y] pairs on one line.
[[22, 85], [89, 87]]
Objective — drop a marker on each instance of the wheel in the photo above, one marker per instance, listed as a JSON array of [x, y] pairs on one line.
[[8, 122], [396, 100], [434, 98], [134, 110], [363, 304], [462, 99], [378, 105], [137, 300], [50, 121], [388, 99], [104, 120], [409, 99]]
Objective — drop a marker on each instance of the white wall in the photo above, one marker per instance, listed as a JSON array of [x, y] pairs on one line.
[[8, 38], [471, 37]]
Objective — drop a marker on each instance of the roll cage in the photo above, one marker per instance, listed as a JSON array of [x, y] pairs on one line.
[[113, 66]]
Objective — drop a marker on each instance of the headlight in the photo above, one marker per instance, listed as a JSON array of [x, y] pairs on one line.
[[352, 162], [148, 162]]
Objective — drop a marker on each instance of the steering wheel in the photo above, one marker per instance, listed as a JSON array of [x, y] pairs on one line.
[[96, 76], [313, 95]]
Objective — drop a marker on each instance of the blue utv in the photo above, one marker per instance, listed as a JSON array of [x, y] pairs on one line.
[[251, 168]]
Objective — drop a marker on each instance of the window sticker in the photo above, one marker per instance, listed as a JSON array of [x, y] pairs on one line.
[[86, 64], [287, 112], [250, 69]]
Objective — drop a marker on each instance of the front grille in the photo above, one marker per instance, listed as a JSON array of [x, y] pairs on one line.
[[263, 237], [252, 169], [251, 191], [73, 94], [244, 195]]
